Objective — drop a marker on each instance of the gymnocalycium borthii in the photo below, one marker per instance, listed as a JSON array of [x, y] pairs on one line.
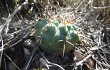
[[56, 36]]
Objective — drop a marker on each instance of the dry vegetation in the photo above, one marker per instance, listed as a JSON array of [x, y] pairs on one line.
[[18, 17]]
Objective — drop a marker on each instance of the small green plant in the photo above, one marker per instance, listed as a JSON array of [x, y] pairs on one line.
[[56, 36]]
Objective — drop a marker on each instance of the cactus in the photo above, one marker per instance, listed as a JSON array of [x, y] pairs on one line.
[[71, 27], [56, 23], [40, 24], [55, 34]]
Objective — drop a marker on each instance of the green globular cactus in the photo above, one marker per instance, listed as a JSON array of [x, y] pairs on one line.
[[48, 33], [73, 37], [40, 24], [71, 27], [56, 23], [55, 35], [63, 31]]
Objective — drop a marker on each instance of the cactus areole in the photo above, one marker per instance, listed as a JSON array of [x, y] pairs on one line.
[[56, 36]]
